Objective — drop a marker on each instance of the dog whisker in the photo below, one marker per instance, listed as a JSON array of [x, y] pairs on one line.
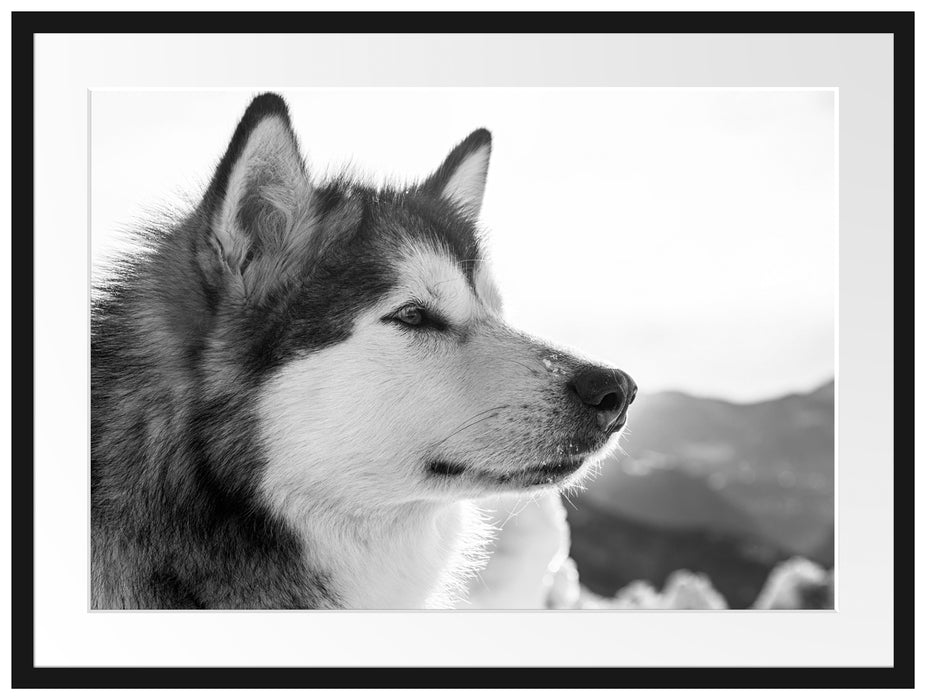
[[473, 420], [533, 370]]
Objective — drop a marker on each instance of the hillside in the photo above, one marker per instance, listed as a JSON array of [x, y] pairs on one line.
[[712, 486], [612, 551]]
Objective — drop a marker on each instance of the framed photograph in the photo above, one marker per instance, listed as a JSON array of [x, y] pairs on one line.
[[362, 357]]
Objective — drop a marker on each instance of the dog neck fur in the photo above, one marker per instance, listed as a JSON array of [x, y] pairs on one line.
[[410, 557]]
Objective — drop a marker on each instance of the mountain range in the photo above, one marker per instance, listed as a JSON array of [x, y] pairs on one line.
[[717, 487]]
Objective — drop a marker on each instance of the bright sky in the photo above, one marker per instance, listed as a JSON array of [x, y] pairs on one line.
[[687, 236]]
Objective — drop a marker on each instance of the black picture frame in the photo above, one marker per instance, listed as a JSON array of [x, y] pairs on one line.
[[25, 25]]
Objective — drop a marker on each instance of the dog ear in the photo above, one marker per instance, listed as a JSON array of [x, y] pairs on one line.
[[258, 198], [461, 178]]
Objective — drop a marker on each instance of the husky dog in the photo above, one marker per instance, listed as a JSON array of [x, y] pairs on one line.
[[299, 388]]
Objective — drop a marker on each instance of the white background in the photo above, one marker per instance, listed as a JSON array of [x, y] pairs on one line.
[[764, 67]]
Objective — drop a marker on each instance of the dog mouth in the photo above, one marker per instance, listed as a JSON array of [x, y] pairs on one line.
[[543, 474]]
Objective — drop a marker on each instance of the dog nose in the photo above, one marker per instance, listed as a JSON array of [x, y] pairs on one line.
[[606, 391]]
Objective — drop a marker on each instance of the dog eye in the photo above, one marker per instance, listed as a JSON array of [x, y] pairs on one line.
[[415, 316], [410, 315]]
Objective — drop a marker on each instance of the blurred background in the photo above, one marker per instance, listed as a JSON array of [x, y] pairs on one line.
[[728, 490], [686, 236]]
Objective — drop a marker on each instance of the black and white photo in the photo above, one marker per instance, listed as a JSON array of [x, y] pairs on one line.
[[311, 390]]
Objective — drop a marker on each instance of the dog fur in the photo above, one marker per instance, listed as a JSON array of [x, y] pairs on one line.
[[300, 388]]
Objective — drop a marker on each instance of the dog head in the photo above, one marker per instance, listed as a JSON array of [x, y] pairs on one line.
[[387, 373]]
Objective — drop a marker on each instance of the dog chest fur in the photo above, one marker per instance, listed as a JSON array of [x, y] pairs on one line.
[[416, 556]]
